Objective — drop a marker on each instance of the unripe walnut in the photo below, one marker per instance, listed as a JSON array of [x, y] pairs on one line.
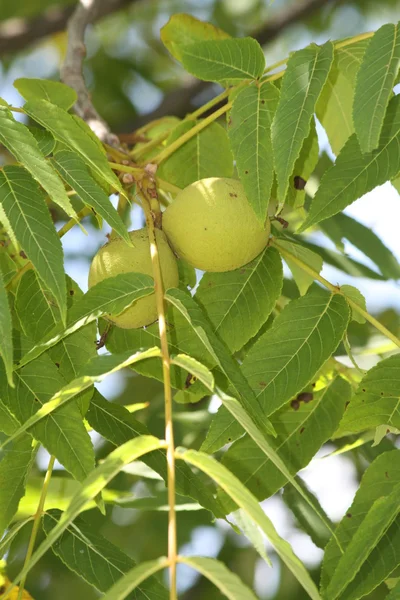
[[117, 257], [212, 226]]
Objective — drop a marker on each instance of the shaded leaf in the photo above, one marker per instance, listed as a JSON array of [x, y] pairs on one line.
[[356, 296], [112, 295], [249, 128], [375, 82], [72, 168], [96, 559], [61, 432], [226, 61], [67, 130], [302, 84], [116, 424], [206, 154], [193, 314], [44, 140], [29, 217], [134, 578], [302, 427], [239, 302], [377, 401], [22, 144], [95, 482]]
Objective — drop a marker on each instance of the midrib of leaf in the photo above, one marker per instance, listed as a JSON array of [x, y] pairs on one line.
[[51, 416], [245, 283], [305, 341], [299, 426], [22, 215]]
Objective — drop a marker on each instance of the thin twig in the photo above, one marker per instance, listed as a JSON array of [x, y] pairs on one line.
[[72, 69], [336, 290], [169, 431], [36, 522]]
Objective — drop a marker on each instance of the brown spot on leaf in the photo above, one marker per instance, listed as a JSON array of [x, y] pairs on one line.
[[262, 101], [71, 292], [57, 365], [386, 475], [295, 404], [302, 429], [349, 515], [262, 384], [305, 397], [246, 172], [22, 254], [299, 182], [233, 195]]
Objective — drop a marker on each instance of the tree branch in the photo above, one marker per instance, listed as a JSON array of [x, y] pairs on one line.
[[72, 70], [16, 34]]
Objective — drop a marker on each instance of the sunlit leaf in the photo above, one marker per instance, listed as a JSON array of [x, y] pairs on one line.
[[25, 207], [375, 82], [239, 302], [6, 343], [249, 128], [302, 84], [53, 91]]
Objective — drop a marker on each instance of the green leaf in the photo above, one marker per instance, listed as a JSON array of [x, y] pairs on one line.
[[395, 593], [239, 302], [134, 578], [206, 154], [302, 428], [303, 280], [354, 174], [335, 105], [38, 314], [303, 168], [305, 76], [112, 295], [187, 273], [368, 242], [22, 144], [319, 529], [25, 207], [94, 558], [116, 424], [73, 170], [95, 482], [68, 130], [62, 432], [183, 29], [289, 355], [215, 571], [226, 61], [44, 140], [249, 128], [193, 314], [14, 470], [354, 294], [194, 366], [252, 532], [373, 528], [377, 401], [378, 482], [12, 532], [6, 342], [245, 500], [181, 339], [375, 82], [53, 91]]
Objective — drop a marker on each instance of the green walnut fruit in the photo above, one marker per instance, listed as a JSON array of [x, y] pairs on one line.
[[212, 226], [117, 257]]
